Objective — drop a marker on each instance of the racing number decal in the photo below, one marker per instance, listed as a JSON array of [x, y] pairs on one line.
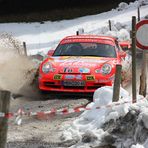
[[67, 70], [90, 78], [57, 77]]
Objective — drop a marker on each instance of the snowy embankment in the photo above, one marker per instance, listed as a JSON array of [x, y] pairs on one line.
[[120, 124]]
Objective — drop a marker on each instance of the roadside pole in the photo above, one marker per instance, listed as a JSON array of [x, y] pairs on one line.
[[117, 82], [80, 31], [138, 12], [143, 78], [4, 108], [25, 49], [77, 32], [110, 28], [134, 97]]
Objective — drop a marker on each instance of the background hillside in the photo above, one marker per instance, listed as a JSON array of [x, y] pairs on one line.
[[42, 10]]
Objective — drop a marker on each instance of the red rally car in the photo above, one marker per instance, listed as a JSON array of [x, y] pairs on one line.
[[82, 63]]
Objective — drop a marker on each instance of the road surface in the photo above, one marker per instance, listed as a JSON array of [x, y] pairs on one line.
[[46, 130]]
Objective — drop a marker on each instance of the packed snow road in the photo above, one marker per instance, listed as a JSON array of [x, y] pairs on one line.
[[44, 130]]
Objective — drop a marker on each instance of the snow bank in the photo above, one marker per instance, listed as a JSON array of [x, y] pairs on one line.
[[102, 123]]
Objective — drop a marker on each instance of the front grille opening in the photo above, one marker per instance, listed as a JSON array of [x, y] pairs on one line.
[[52, 85], [99, 84], [55, 86], [49, 83], [74, 87], [93, 87]]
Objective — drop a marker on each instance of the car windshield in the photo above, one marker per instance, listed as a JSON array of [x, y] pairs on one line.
[[85, 49]]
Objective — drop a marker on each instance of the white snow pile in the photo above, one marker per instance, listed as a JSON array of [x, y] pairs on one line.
[[123, 125], [123, 6]]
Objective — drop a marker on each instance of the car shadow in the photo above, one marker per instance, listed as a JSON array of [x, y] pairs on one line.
[[67, 95], [33, 93]]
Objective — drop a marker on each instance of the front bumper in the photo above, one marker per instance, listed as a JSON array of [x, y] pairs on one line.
[[48, 83]]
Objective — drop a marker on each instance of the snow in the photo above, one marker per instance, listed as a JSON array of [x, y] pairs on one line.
[[91, 121], [137, 146], [102, 98], [42, 37], [144, 118]]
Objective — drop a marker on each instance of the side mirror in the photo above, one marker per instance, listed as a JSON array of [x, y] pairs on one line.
[[125, 48], [122, 54], [50, 52], [125, 45]]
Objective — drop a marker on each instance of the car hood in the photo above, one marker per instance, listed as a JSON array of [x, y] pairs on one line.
[[75, 64]]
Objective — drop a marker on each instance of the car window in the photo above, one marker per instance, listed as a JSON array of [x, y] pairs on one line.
[[85, 49]]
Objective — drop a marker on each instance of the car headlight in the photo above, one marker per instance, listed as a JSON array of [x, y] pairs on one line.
[[106, 69], [47, 67]]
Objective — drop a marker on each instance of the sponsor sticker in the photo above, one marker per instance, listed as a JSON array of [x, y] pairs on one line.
[[57, 77], [78, 64], [84, 70], [90, 78], [104, 81], [69, 77], [79, 77]]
